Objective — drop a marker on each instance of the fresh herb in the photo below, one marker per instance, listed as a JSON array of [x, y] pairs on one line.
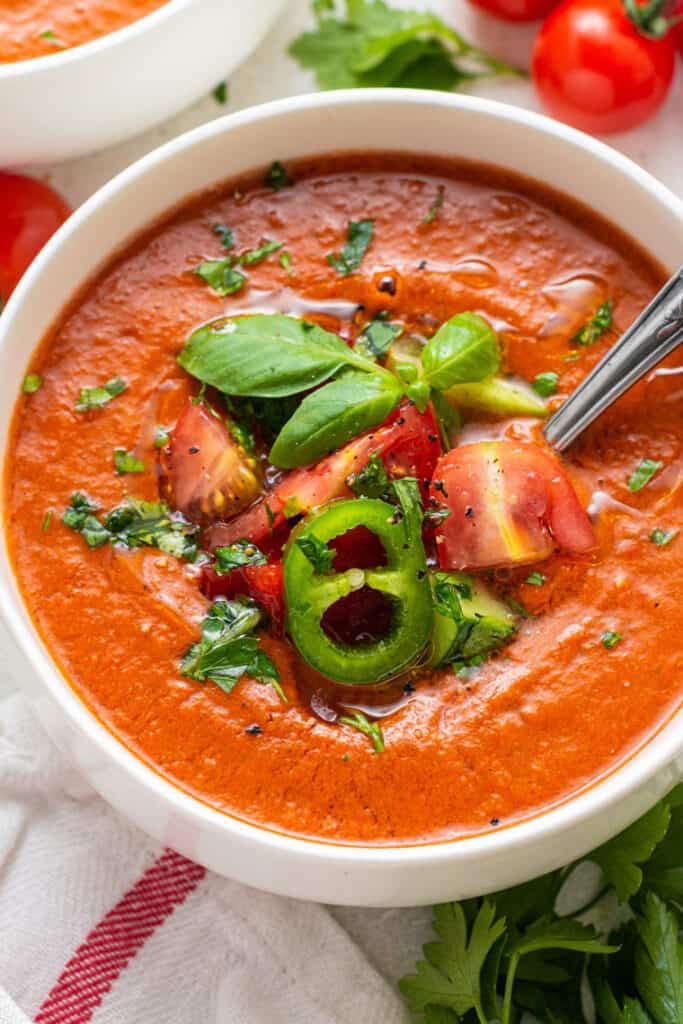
[[572, 356], [277, 177], [220, 93], [126, 462], [435, 513], [221, 275], [620, 858], [229, 649], [480, 624], [374, 44], [256, 255], [332, 415], [234, 556], [225, 234], [535, 579], [161, 437], [464, 349], [433, 210], [371, 729], [47, 520], [32, 382], [595, 327], [643, 474], [610, 639], [371, 481], [377, 337], [50, 36], [358, 237], [285, 261], [545, 384], [134, 524], [95, 397], [663, 537], [317, 552]]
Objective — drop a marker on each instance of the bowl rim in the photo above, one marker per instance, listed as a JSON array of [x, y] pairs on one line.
[[650, 757], [95, 47]]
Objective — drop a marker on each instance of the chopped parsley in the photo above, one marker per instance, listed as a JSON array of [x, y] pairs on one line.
[[317, 552], [545, 384], [233, 556], [378, 336], [433, 210], [95, 397], [225, 234], [663, 537], [126, 462], [358, 237], [535, 579], [277, 177], [47, 520], [221, 275], [161, 437], [435, 513], [371, 481], [643, 474], [610, 639], [51, 37], [264, 249], [373, 730], [134, 524], [285, 261], [595, 327], [229, 649], [32, 382], [80, 516], [220, 93]]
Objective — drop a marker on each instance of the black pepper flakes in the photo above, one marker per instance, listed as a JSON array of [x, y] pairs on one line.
[[408, 689], [439, 486], [422, 264], [469, 512], [387, 284], [193, 449], [254, 730], [494, 822], [432, 438]]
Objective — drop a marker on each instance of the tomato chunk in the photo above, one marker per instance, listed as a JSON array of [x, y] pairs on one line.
[[509, 504], [206, 474], [407, 442], [262, 582]]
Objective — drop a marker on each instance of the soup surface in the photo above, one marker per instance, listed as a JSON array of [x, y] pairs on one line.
[[38, 28], [585, 660]]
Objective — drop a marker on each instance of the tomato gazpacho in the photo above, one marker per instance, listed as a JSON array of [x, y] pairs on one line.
[[280, 507], [39, 28]]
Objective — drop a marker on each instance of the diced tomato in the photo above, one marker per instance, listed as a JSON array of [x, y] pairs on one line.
[[264, 583], [408, 443], [509, 504], [206, 474]]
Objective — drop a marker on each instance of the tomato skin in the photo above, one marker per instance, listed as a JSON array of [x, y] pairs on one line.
[[30, 213], [264, 583], [516, 10], [510, 504], [595, 70]]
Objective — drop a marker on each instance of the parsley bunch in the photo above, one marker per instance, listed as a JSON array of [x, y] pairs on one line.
[[515, 958]]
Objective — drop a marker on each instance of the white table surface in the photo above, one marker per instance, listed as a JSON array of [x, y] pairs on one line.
[[391, 938]]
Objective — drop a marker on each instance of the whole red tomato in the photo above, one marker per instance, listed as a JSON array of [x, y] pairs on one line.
[[30, 213], [595, 69], [516, 10]]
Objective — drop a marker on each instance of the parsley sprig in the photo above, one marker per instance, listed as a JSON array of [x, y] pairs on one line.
[[515, 956], [134, 524]]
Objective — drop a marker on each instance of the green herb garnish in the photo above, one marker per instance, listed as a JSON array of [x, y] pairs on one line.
[[285, 261], [535, 579], [643, 474], [220, 93], [317, 552], [95, 397], [134, 524], [358, 237], [234, 556], [32, 382], [545, 384], [81, 517], [221, 275], [610, 639], [161, 437], [663, 537], [225, 234], [595, 327], [256, 255], [126, 462], [377, 337], [51, 37], [463, 350], [47, 520], [433, 210], [371, 481], [371, 729], [277, 177]]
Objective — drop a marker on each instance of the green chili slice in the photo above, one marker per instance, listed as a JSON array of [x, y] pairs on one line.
[[404, 580]]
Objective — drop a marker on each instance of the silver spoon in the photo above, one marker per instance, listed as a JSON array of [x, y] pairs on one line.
[[652, 336]]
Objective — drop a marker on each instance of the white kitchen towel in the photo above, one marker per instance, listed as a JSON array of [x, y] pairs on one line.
[[98, 923]]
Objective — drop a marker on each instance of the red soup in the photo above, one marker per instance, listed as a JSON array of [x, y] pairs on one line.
[[280, 507]]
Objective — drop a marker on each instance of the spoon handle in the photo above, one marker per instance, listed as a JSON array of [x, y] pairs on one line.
[[651, 337]]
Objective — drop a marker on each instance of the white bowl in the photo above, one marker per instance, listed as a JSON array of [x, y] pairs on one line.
[[442, 125], [91, 96]]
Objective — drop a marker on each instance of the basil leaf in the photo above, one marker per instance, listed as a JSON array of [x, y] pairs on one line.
[[265, 355], [643, 474], [332, 415], [358, 238], [377, 337], [221, 275], [96, 397], [242, 552], [464, 349]]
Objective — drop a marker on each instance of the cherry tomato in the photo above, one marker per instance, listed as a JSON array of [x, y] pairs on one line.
[[509, 504], [677, 26], [594, 69], [408, 442], [264, 583], [516, 10], [30, 213], [206, 474]]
